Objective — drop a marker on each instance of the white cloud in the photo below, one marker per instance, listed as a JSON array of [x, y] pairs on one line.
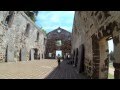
[[54, 18], [51, 20]]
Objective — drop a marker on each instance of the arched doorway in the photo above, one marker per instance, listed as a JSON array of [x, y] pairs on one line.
[[36, 56], [73, 55], [76, 57], [42, 56], [20, 55], [6, 53], [81, 56], [30, 55], [101, 51]]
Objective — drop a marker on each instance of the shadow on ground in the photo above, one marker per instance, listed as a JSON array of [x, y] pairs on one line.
[[65, 71]]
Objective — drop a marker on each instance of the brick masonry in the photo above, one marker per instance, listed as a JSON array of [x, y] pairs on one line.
[[93, 28], [53, 37]]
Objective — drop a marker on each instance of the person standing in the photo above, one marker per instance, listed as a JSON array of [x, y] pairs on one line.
[[58, 59]]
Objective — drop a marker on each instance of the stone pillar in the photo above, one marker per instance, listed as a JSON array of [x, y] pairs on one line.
[[116, 63], [10, 54], [32, 54], [23, 54], [96, 57], [117, 70]]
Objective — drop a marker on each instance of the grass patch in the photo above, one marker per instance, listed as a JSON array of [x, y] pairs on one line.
[[110, 76], [111, 65]]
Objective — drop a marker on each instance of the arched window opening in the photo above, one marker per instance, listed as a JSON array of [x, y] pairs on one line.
[[27, 30], [37, 36], [9, 19]]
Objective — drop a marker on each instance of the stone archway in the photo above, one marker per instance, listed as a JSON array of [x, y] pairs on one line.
[[35, 53], [100, 51]]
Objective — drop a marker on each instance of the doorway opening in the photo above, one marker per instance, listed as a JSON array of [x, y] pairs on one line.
[[35, 53], [6, 52], [106, 69], [76, 57], [29, 55], [20, 56], [59, 52], [111, 58]]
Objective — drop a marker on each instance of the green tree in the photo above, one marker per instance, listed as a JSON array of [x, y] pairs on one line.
[[35, 12], [44, 31], [112, 56], [32, 14]]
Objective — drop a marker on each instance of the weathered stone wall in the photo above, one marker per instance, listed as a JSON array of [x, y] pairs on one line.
[[92, 28], [55, 35], [16, 39]]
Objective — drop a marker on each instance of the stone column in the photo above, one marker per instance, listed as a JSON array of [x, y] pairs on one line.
[[32, 54], [96, 57], [116, 63]]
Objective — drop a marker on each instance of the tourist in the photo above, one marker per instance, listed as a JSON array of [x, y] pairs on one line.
[[58, 59]]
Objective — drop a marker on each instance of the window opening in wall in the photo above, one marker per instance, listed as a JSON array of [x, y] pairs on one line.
[[58, 43], [58, 31], [50, 54], [37, 36], [27, 30], [9, 19], [44, 41]]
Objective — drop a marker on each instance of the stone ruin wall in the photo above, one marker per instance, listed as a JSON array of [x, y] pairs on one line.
[[89, 23], [53, 36], [14, 37]]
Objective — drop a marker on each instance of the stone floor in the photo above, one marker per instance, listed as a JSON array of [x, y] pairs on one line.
[[38, 69]]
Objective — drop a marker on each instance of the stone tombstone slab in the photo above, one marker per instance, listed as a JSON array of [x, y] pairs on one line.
[[80, 66]]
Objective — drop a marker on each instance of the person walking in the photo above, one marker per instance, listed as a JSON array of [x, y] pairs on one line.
[[58, 59]]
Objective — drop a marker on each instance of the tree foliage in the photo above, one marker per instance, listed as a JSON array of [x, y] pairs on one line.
[[32, 14], [112, 56], [44, 31]]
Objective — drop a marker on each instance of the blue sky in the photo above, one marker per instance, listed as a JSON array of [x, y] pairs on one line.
[[50, 20], [110, 45]]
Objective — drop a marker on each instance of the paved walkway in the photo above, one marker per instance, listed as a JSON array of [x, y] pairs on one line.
[[38, 69], [65, 71]]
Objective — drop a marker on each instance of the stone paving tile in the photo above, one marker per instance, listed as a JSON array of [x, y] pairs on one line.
[[37, 69], [65, 72]]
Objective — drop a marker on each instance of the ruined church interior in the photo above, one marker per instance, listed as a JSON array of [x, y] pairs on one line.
[[84, 52]]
